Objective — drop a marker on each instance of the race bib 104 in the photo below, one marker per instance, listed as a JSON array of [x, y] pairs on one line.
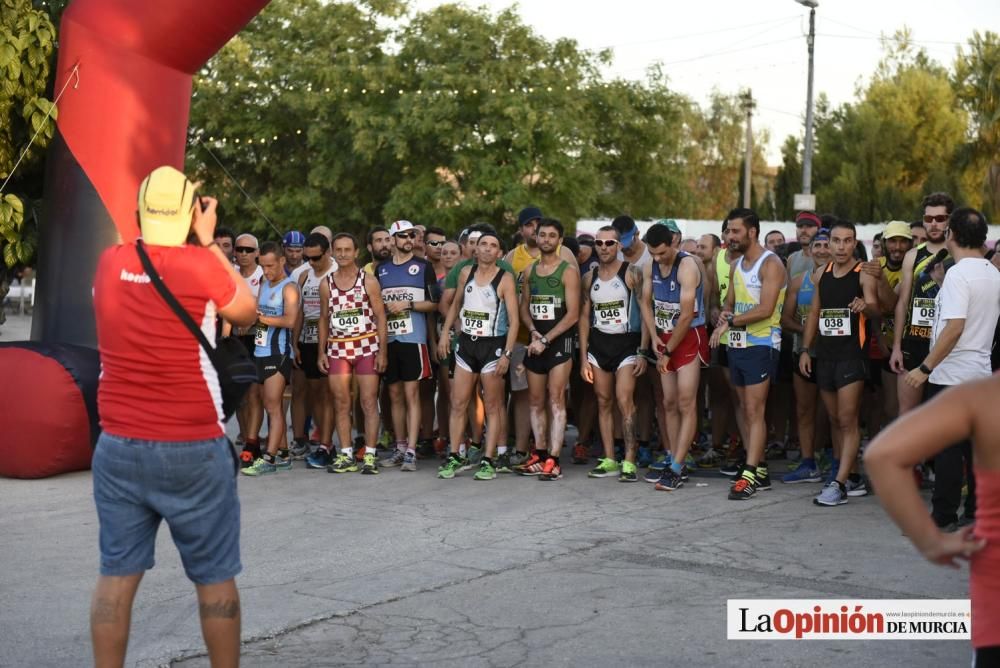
[[400, 323]]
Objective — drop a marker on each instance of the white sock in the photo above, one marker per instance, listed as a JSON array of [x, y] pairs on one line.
[[501, 449], [347, 451]]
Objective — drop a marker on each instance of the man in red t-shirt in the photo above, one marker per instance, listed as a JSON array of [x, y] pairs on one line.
[[163, 453]]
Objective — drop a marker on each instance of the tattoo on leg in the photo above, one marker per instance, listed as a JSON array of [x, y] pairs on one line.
[[104, 611], [628, 432], [225, 609]]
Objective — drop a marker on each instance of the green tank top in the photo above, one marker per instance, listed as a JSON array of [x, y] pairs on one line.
[[548, 297], [722, 278]]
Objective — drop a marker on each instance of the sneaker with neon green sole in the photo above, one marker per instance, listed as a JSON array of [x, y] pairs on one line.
[[344, 463], [605, 468], [485, 472], [260, 467]]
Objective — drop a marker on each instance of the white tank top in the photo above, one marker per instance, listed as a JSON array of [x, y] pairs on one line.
[[311, 305], [481, 313], [254, 279]]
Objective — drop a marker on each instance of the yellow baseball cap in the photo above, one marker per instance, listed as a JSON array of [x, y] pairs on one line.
[[897, 228], [166, 200]]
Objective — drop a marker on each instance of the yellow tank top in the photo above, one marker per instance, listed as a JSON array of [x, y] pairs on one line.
[[747, 287]]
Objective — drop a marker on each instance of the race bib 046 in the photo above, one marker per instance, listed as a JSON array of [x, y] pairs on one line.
[[609, 314]]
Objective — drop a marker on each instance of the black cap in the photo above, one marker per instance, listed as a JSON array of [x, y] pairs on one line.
[[528, 214]]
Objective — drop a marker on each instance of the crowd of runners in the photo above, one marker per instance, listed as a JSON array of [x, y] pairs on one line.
[[668, 354]]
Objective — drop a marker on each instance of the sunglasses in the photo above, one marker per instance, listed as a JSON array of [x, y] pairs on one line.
[[940, 218], [405, 235], [313, 258], [434, 243], [245, 249], [601, 243]]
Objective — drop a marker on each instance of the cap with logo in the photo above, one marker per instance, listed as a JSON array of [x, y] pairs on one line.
[[166, 202], [626, 228], [671, 224], [528, 214], [294, 239], [400, 226], [897, 228]]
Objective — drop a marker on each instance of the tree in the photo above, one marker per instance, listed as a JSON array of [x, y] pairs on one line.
[[27, 39], [976, 82], [876, 158], [788, 181]]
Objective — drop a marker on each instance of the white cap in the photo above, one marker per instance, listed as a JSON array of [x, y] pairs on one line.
[[400, 226]]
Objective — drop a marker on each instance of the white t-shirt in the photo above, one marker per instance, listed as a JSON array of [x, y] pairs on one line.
[[641, 261], [971, 291], [298, 271]]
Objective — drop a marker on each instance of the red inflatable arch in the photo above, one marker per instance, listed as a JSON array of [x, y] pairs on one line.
[[127, 115]]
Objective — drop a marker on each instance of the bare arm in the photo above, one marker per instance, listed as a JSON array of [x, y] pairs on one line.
[[636, 282], [812, 321], [508, 292], [789, 318], [945, 342], [646, 303], [905, 289], [584, 323], [869, 288], [525, 306], [457, 299], [689, 277], [949, 418], [324, 325], [288, 317], [773, 278]]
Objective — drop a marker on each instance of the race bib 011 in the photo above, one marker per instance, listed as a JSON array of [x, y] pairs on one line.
[[666, 314]]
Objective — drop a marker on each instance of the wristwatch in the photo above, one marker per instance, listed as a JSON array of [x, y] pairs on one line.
[[729, 319], [545, 341], [508, 353], [923, 369], [666, 352]]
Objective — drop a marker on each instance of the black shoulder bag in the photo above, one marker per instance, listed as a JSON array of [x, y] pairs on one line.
[[230, 357]]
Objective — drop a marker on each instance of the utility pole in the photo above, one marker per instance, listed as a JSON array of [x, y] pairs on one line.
[[748, 105], [806, 200]]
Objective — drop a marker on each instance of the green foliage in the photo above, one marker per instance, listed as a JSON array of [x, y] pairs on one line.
[[456, 116], [27, 41], [976, 82]]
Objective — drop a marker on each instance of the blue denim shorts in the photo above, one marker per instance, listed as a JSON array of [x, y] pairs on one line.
[[190, 484]]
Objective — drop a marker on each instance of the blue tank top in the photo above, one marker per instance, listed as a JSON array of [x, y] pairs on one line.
[[271, 340], [414, 281], [667, 298], [803, 302]]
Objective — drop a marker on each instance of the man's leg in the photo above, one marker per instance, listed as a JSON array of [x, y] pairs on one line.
[[274, 390], [443, 404], [219, 610], [426, 431], [320, 407], [255, 412], [340, 388], [908, 397], [397, 402], [493, 395], [368, 385], [668, 383], [110, 617], [848, 406], [558, 379], [411, 389], [604, 388], [688, 380], [537, 385], [890, 406]]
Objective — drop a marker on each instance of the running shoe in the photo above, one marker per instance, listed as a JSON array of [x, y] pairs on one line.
[[581, 454], [260, 467], [832, 473], [685, 472], [531, 466], [386, 440], [803, 473], [343, 464], [299, 449], [711, 459], [451, 466], [319, 459], [518, 458], [606, 468], [652, 476], [690, 461], [833, 494], [662, 462], [475, 455], [370, 466], [248, 456], [644, 457], [396, 459], [485, 472], [466, 464], [763, 482], [283, 463], [670, 481], [629, 472], [550, 470], [731, 467], [742, 490], [425, 448], [409, 461], [856, 487], [503, 463], [775, 450]]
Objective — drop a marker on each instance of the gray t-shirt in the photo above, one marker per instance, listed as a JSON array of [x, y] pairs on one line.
[[799, 263]]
